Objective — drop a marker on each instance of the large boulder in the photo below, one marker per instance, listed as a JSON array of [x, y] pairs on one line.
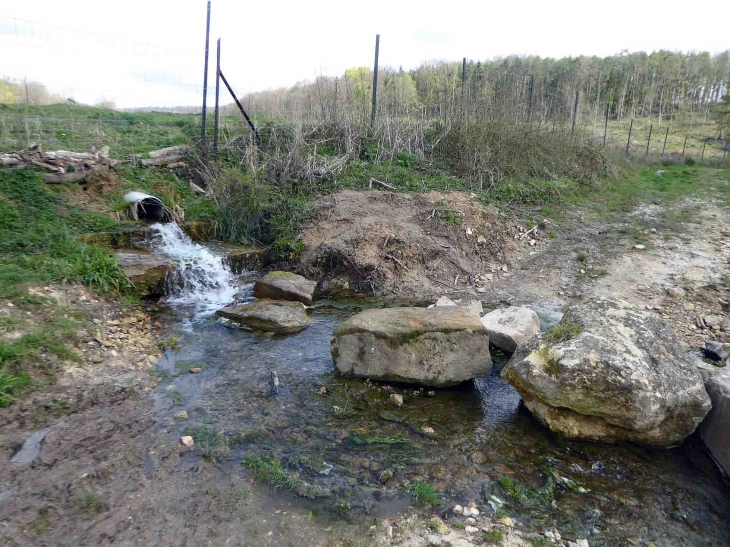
[[285, 286], [612, 373], [473, 305], [281, 317], [715, 430], [439, 347], [510, 327]]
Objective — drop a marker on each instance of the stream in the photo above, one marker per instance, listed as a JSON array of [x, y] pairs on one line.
[[338, 436]]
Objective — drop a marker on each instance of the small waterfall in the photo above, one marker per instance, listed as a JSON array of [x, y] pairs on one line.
[[202, 279]]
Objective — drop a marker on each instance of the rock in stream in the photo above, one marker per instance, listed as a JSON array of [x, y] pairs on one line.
[[612, 373], [285, 286], [281, 317], [442, 346]]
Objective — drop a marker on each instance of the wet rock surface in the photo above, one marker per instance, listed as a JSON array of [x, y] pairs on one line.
[[715, 430], [438, 347], [610, 372], [147, 271], [510, 327], [280, 317], [285, 286]]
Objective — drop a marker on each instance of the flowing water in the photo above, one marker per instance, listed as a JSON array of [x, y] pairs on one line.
[[339, 440], [202, 281]]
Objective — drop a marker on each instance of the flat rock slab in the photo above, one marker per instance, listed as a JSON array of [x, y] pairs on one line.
[[715, 430], [146, 271], [30, 450], [442, 346], [280, 317], [610, 372], [285, 286], [510, 327]]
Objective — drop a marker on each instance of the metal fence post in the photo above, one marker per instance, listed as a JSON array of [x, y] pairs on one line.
[[685, 144], [628, 141], [651, 126], [665, 141], [605, 127], [703, 150], [217, 95], [205, 77], [575, 112], [375, 80]]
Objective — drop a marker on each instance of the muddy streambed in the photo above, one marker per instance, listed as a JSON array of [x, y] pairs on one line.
[[338, 440]]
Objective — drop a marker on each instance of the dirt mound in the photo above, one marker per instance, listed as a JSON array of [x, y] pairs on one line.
[[406, 245]]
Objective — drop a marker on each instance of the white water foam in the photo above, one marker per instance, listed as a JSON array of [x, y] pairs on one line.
[[202, 280]]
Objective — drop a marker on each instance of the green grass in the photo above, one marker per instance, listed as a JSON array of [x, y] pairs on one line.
[[212, 444], [269, 471], [424, 494], [10, 383], [79, 128], [494, 536], [90, 501], [561, 332], [38, 243]]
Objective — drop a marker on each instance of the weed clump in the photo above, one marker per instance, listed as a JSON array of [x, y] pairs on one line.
[[424, 494], [268, 470], [212, 444], [562, 332], [494, 535]]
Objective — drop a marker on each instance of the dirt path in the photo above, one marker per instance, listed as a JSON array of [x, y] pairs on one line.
[[108, 473]]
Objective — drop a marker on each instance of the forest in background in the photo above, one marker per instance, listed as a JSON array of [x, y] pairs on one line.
[[663, 85]]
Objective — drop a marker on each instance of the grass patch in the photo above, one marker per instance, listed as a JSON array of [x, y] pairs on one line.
[[269, 471], [212, 444], [494, 536], [89, 501], [562, 332], [424, 494], [38, 243], [10, 383]]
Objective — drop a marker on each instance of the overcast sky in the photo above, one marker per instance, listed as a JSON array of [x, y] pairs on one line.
[[142, 53]]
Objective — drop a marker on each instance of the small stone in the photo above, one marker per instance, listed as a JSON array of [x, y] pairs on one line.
[[481, 240], [195, 370], [471, 529], [187, 440], [471, 512], [712, 320], [471, 520], [385, 476], [395, 399], [182, 415], [323, 390], [675, 292], [639, 247], [507, 521], [478, 457], [689, 307], [457, 510], [431, 394], [472, 505], [428, 430], [469, 232], [533, 242]]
